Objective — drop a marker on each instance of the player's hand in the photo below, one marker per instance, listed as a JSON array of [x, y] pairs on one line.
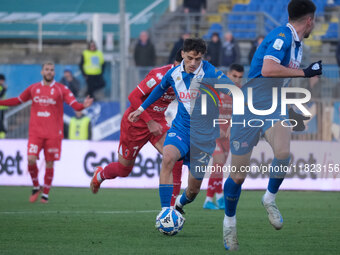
[[88, 101], [299, 119], [314, 69], [134, 116], [155, 128]]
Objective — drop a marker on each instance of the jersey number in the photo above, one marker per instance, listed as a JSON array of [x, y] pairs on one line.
[[33, 148]]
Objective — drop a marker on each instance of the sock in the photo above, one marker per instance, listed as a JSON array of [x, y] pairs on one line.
[[276, 177], [229, 221], [177, 175], [48, 180], [211, 187], [208, 199], [219, 195], [232, 192], [114, 170], [33, 170], [269, 197], [185, 200], [218, 185], [165, 193]]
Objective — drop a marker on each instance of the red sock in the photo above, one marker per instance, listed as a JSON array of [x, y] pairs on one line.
[[48, 180], [114, 170], [218, 185], [218, 176], [177, 176], [33, 170], [211, 187]]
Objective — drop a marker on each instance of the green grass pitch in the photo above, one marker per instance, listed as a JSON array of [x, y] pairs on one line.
[[119, 221]]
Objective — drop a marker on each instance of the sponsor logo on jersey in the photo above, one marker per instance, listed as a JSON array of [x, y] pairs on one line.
[[159, 109], [43, 100], [278, 44], [169, 97], [43, 114], [52, 91], [189, 95], [159, 76], [236, 145], [172, 134], [38, 91], [150, 83], [282, 35]]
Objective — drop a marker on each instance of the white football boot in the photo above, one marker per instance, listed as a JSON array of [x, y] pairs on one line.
[[274, 215]]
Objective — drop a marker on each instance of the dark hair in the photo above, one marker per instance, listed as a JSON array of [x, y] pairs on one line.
[[2, 77], [195, 44], [236, 67], [299, 8], [178, 57]]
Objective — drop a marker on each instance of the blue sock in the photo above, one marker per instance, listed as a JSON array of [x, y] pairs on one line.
[[184, 199], [276, 177], [165, 193], [232, 192]]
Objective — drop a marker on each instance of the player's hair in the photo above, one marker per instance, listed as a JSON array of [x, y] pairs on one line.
[[2, 77], [195, 44], [237, 67], [298, 9], [178, 57], [47, 63]]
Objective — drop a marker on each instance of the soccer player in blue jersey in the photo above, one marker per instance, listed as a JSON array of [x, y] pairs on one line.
[[278, 57], [192, 135]]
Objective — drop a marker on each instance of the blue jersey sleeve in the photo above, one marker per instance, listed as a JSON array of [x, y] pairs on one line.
[[216, 76], [279, 46], [158, 91]]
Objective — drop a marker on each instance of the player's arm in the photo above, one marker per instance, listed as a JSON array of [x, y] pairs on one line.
[[72, 101], [24, 96], [153, 97], [274, 55]]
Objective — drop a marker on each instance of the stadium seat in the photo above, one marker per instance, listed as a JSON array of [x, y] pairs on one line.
[[214, 28]]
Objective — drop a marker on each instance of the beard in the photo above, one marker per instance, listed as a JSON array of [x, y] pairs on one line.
[[48, 78]]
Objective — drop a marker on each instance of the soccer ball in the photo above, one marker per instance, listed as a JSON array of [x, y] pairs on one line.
[[169, 221]]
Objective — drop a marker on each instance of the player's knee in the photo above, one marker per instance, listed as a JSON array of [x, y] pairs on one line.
[[238, 178], [282, 154], [31, 161], [168, 163]]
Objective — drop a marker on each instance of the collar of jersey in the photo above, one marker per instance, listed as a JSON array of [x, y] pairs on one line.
[[195, 72], [42, 83], [295, 35]]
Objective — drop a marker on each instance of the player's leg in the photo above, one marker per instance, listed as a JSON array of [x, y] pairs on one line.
[[232, 192], [33, 148], [52, 152], [215, 181], [278, 137], [177, 169], [132, 140], [49, 173], [171, 155]]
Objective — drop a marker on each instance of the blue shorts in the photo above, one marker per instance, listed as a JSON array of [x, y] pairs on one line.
[[244, 137], [195, 156]]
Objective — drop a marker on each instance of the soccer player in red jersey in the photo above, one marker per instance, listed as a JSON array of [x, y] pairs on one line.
[[152, 127], [221, 152], [46, 124]]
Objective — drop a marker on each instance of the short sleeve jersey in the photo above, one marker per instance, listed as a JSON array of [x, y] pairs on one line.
[[154, 77], [47, 110], [283, 46]]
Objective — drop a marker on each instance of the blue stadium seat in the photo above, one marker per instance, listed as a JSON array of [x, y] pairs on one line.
[[214, 28], [239, 8]]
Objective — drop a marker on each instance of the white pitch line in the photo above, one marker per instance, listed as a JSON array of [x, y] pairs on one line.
[[78, 212]]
